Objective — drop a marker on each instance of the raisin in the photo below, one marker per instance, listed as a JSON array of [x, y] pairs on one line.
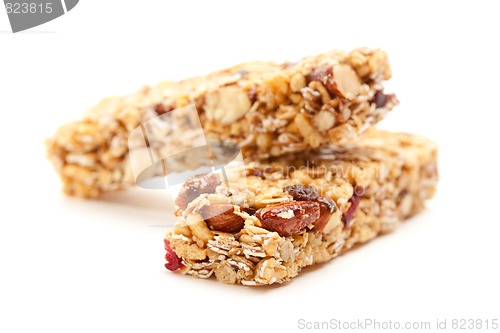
[[302, 192]]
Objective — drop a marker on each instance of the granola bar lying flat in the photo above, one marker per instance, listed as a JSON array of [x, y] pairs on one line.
[[267, 109], [271, 220]]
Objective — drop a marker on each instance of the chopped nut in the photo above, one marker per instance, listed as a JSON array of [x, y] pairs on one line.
[[326, 208], [340, 80], [345, 82], [289, 217], [311, 136], [297, 82], [227, 104], [406, 205], [199, 228], [357, 58], [324, 120], [221, 217], [378, 63]]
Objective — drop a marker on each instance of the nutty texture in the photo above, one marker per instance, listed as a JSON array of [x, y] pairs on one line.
[[204, 183], [289, 217], [310, 193], [370, 186], [222, 218], [339, 80], [227, 104], [266, 109], [345, 82]]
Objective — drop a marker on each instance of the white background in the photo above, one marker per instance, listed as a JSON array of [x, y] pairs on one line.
[[68, 265]]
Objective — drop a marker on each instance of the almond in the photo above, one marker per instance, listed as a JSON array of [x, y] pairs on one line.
[[288, 218], [227, 104], [341, 80], [297, 82], [326, 208], [346, 82], [324, 120], [221, 217]]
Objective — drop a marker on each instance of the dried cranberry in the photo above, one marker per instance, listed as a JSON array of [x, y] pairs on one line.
[[302, 192], [347, 217], [173, 261]]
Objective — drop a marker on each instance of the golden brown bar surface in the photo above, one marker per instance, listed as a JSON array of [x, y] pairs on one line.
[[272, 219], [267, 109]]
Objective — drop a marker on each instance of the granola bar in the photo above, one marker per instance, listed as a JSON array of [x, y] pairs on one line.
[[267, 109], [270, 220]]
